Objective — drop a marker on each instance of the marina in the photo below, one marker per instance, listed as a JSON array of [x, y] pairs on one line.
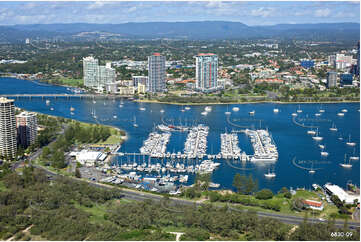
[[290, 138]]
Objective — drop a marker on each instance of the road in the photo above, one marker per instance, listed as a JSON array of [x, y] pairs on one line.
[[141, 196]]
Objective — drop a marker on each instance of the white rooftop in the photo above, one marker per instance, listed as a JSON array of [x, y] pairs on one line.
[[341, 194]]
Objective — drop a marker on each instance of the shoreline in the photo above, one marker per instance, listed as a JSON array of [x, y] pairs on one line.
[[251, 102]]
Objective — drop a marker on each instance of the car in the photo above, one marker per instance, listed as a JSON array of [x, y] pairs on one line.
[[322, 219]]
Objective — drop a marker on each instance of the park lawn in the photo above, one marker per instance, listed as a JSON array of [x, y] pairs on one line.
[[113, 139], [71, 82], [306, 195]]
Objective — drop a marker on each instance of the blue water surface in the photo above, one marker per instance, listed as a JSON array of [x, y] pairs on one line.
[[292, 140]]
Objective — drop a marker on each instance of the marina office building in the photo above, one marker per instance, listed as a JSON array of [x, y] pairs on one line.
[[206, 72], [7, 128]]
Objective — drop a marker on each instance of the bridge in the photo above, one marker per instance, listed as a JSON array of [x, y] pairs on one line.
[[65, 95]]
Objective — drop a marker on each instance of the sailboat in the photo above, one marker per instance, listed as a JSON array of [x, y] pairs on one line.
[[135, 122], [324, 153], [312, 132], [354, 157], [299, 110], [227, 112], [349, 141], [321, 110], [162, 110], [312, 170], [270, 174], [317, 138], [72, 109], [346, 165], [252, 112], [341, 114], [333, 128]]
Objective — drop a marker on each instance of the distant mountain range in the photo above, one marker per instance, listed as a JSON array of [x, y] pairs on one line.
[[207, 30]]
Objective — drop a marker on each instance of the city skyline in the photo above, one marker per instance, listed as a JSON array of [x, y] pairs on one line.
[[250, 13]]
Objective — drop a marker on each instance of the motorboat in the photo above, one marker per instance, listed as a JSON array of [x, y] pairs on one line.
[[341, 114], [317, 114], [344, 110], [275, 110], [208, 109], [252, 112], [142, 109], [187, 108], [204, 113], [235, 109], [162, 111], [294, 114]]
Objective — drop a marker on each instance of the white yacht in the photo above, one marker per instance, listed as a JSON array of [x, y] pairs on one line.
[[270, 174], [208, 109], [341, 114], [349, 141], [354, 157], [344, 110], [316, 137], [252, 112], [317, 114], [333, 128], [47, 102], [311, 171], [187, 108], [142, 109], [324, 153], [346, 165], [275, 110], [312, 132], [204, 113], [294, 114], [235, 109], [52, 109], [162, 110], [321, 146]]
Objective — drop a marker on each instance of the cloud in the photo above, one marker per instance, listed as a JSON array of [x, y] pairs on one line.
[[96, 5], [262, 12], [132, 9], [323, 12]]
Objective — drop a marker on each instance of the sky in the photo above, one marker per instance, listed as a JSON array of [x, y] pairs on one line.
[[250, 13]]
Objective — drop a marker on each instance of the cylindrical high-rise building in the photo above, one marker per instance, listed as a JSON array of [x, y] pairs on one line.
[[7, 128], [156, 73], [27, 126], [206, 72]]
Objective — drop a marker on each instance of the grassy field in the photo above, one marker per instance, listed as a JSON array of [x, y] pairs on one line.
[[71, 82], [113, 139]]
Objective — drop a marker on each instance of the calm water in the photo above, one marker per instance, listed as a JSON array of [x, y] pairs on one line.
[[292, 140]]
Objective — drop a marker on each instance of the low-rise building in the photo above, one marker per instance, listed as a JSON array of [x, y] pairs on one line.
[[315, 205], [341, 194]]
